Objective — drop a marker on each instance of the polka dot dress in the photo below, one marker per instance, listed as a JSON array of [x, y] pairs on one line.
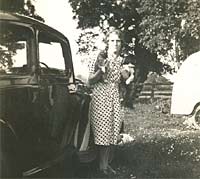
[[105, 109]]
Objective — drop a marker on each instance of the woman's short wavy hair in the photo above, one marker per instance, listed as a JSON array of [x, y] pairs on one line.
[[116, 31]]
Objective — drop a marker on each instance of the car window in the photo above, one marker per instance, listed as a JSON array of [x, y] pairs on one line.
[[51, 52], [14, 41]]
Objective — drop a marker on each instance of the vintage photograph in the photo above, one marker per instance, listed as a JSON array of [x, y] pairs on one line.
[[100, 89]]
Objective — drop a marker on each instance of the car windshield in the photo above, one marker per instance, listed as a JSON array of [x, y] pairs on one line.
[[13, 48]]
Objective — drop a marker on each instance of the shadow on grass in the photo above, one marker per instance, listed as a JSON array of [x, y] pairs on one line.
[[163, 158]]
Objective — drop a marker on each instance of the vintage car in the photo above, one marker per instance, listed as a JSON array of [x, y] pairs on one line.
[[43, 115], [186, 91]]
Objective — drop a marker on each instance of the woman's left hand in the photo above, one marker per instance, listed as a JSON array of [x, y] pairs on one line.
[[125, 74]]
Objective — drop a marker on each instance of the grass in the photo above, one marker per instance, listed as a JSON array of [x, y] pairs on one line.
[[152, 120], [163, 146]]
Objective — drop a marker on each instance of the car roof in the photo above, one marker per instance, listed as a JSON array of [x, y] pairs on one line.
[[8, 16], [19, 18]]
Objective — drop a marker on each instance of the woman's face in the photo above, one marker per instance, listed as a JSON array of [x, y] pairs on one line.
[[114, 43]]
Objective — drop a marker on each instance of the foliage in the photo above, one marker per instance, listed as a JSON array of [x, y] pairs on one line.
[[87, 41], [189, 36], [162, 21], [6, 55], [158, 25]]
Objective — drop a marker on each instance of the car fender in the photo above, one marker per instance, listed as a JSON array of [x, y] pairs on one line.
[[9, 153], [186, 88]]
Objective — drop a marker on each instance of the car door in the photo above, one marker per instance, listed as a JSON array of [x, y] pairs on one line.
[[57, 105], [54, 104]]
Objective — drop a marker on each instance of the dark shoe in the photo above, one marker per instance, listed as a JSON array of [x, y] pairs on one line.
[[111, 170]]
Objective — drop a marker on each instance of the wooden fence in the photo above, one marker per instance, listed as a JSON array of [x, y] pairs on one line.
[[156, 90]]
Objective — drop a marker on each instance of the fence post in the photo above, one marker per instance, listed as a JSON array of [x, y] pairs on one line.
[[152, 90]]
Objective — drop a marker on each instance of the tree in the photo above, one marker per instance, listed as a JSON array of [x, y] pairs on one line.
[[155, 23], [123, 15], [21, 7], [105, 13], [159, 26], [162, 21], [189, 35]]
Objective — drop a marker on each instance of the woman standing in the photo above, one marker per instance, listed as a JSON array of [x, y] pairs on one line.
[[105, 111]]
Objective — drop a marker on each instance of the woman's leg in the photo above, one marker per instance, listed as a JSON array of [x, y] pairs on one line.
[[103, 157], [111, 156]]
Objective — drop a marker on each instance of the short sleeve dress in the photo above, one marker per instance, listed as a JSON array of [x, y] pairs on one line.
[[105, 107]]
